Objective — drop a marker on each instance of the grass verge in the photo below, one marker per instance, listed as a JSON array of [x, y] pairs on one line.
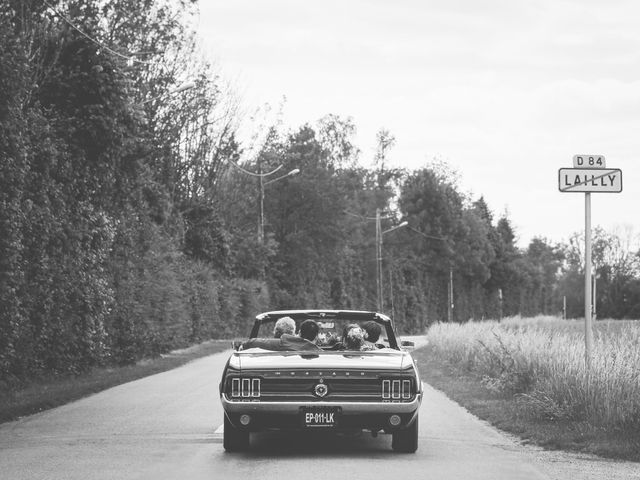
[[48, 392], [512, 414]]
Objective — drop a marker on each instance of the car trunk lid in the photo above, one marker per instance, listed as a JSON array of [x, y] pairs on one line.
[[380, 360]]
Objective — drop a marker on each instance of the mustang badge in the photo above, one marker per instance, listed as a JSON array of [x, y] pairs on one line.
[[321, 390]]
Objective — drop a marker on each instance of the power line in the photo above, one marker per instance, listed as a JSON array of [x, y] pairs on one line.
[[129, 58], [385, 217], [427, 236]]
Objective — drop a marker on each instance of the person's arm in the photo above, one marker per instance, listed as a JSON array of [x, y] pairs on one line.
[[295, 343], [265, 343]]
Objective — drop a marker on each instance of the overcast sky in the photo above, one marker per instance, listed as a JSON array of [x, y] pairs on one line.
[[505, 91]]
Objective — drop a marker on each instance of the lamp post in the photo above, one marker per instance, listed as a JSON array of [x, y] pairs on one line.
[[450, 304], [263, 184], [261, 176], [379, 234]]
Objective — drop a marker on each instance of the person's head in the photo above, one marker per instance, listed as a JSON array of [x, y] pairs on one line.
[[354, 339], [309, 330], [346, 329], [284, 325], [373, 330]]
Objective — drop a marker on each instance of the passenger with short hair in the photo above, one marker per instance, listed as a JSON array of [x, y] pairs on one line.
[[309, 330], [284, 325], [373, 330], [306, 341]]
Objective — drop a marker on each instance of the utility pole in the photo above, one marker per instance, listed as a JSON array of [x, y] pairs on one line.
[[261, 193], [393, 308], [379, 260], [450, 305], [261, 176], [379, 234]]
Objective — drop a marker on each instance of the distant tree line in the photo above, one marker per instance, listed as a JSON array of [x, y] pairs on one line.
[[129, 209]]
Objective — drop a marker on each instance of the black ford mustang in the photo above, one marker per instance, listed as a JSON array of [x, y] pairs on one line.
[[334, 388]]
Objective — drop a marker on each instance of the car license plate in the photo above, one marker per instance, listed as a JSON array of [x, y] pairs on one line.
[[320, 417]]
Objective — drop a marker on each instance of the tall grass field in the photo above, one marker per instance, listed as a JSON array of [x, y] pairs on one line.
[[541, 360]]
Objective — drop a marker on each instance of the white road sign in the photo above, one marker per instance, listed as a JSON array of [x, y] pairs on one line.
[[590, 180], [589, 161]]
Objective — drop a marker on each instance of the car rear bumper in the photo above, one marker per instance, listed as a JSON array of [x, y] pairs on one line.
[[347, 407], [351, 415]]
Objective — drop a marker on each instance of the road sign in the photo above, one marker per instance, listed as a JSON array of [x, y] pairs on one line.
[[590, 180], [589, 161], [589, 175]]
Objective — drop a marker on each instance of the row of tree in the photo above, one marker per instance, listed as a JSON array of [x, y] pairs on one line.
[[129, 209], [100, 160]]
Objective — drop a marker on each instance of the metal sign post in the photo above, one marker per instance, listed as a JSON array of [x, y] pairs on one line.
[[589, 174], [588, 319]]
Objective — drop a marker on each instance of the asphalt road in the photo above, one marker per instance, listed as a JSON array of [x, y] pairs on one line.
[[168, 426]]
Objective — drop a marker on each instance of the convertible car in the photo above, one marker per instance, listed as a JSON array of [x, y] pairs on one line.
[[333, 388]]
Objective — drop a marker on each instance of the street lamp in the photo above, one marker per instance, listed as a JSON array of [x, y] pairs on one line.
[[261, 176], [181, 88], [379, 234], [263, 184], [295, 171]]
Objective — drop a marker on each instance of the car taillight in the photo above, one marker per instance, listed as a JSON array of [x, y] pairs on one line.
[[245, 387], [396, 389], [406, 389]]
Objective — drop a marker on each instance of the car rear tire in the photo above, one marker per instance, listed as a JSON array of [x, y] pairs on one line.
[[234, 439], [406, 440]]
